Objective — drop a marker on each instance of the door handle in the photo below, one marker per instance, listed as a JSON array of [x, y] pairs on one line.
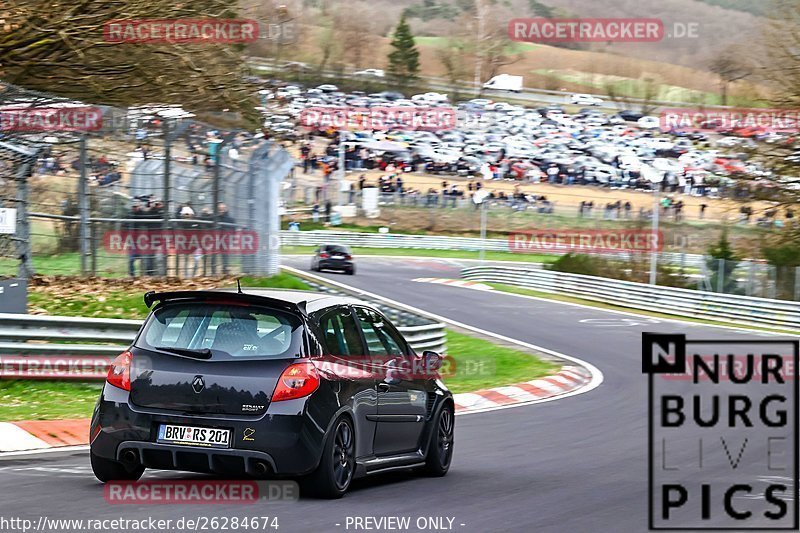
[[383, 387]]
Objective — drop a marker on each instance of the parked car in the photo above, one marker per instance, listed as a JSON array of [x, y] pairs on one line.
[[649, 123], [585, 99], [391, 95], [268, 383], [430, 97], [296, 66], [370, 73], [629, 115], [333, 257]]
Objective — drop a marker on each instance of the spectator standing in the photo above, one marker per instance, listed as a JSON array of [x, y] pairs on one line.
[[552, 173], [305, 153]]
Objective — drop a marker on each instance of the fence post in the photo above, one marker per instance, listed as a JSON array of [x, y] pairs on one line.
[[269, 165], [167, 194], [773, 277], [23, 239], [215, 200], [796, 283], [83, 209]]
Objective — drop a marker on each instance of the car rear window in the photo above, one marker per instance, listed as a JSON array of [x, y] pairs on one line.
[[228, 331], [336, 249]]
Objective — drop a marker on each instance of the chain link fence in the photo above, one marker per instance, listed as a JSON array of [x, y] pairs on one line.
[[149, 190], [749, 278]]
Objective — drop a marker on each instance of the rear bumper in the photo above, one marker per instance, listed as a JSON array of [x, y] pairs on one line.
[[286, 438], [214, 461], [334, 264]]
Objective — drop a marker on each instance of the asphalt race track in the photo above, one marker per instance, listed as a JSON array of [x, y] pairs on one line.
[[577, 464]]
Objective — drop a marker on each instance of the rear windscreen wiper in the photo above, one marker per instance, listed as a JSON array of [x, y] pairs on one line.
[[203, 353]]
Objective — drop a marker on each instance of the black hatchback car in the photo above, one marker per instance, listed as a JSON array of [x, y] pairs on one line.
[[333, 257], [271, 383]]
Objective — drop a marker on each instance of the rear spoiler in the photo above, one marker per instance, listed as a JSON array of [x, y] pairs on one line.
[[162, 298]]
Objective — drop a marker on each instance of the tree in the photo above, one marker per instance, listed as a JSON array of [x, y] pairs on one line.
[[722, 261], [451, 57], [540, 10], [785, 257], [730, 68], [404, 57], [60, 47], [327, 42], [486, 29], [495, 52], [355, 26]]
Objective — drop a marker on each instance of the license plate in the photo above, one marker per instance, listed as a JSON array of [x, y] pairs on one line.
[[194, 436], [337, 257]]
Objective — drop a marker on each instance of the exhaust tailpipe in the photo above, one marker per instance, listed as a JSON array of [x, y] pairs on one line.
[[129, 457], [261, 468]]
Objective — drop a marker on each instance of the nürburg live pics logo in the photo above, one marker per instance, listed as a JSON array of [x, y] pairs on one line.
[[723, 433]]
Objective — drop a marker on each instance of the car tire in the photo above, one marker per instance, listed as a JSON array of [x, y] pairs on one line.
[[350, 271], [440, 448], [108, 470], [337, 467]]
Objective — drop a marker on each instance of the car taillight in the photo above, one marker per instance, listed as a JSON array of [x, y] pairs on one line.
[[348, 257], [297, 381], [119, 374], [323, 255]]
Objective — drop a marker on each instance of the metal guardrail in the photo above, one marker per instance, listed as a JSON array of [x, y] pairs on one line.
[[434, 242], [57, 347], [745, 310]]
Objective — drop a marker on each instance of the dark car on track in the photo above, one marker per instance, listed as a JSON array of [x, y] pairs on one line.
[[333, 257], [271, 383]]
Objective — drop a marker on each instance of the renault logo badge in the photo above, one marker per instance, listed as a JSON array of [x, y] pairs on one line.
[[198, 384]]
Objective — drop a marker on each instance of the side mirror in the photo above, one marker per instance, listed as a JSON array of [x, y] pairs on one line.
[[433, 360]]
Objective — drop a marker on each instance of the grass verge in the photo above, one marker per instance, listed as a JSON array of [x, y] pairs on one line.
[[69, 264], [115, 300], [46, 400], [480, 364]]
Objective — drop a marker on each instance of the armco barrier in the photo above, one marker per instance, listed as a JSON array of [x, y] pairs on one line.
[[431, 242], [92, 343], [762, 312]]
